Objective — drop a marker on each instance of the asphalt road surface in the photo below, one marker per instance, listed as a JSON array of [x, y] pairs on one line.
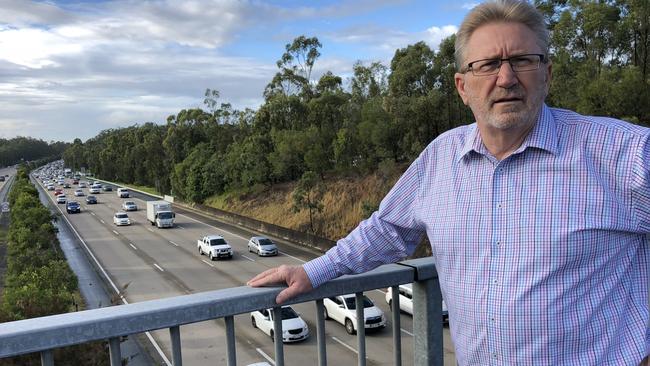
[[148, 263]]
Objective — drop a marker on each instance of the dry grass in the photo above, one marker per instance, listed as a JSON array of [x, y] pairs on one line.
[[343, 204]]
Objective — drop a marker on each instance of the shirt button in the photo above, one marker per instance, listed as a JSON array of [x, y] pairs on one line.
[[495, 281], [495, 356], [498, 243], [498, 205], [492, 319]]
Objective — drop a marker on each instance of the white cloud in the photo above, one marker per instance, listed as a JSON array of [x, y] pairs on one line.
[[34, 48], [469, 6]]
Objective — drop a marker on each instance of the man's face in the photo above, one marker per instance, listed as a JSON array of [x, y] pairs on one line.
[[507, 99]]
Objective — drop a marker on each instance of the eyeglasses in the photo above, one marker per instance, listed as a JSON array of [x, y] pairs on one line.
[[518, 63]]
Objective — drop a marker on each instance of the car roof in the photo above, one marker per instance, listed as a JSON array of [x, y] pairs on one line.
[[214, 237], [120, 212], [260, 237]]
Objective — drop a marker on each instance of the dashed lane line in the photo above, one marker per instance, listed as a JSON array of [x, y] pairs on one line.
[[345, 345], [157, 266], [133, 246], [250, 259], [116, 233], [208, 263], [268, 358], [173, 243]]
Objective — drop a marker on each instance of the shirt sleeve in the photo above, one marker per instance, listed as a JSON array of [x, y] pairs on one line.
[[641, 185], [389, 235]]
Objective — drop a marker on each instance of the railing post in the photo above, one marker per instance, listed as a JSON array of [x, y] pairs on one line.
[[397, 335], [361, 329], [230, 340], [427, 323], [175, 335], [115, 352], [277, 334], [320, 329], [46, 358]]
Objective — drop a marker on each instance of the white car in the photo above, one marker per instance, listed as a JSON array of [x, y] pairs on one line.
[[343, 309], [94, 190], [78, 193], [262, 246], [406, 300], [61, 198], [129, 206], [294, 329], [82, 185], [121, 218], [214, 246], [123, 192], [50, 187]]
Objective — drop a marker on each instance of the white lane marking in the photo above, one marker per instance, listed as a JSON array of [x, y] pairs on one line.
[[180, 227], [133, 246], [173, 243], [157, 266], [289, 255], [406, 331], [102, 221], [250, 259], [116, 233], [206, 262], [268, 358], [345, 345], [92, 213], [150, 229]]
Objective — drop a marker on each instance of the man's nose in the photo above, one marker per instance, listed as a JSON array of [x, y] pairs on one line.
[[506, 77]]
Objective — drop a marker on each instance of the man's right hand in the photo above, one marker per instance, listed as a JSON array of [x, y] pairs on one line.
[[294, 276]]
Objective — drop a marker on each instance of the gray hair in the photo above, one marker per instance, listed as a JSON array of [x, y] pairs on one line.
[[507, 11]]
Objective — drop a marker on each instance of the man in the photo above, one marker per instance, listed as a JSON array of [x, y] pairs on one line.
[[537, 217]]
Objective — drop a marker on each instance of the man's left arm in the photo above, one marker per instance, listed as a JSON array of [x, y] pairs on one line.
[[641, 185]]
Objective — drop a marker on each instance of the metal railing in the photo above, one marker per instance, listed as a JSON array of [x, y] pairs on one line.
[[47, 333]]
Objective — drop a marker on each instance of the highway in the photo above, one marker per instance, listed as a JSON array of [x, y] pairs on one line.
[[147, 263]]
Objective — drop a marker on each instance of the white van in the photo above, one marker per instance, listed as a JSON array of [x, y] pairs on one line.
[[123, 193]]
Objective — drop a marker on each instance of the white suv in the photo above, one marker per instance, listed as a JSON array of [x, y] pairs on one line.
[[343, 309], [123, 193], [406, 300]]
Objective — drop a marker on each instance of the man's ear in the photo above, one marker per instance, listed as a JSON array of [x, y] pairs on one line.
[[459, 79]]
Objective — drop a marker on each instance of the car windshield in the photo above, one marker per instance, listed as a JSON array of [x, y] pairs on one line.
[[351, 303], [214, 242], [288, 313], [165, 215], [121, 216], [129, 203], [266, 243], [90, 198]]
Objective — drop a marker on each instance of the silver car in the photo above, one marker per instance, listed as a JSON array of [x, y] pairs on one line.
[[264, 247], [121, 218]]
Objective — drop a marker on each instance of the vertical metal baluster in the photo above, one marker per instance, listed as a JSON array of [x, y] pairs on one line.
[[320, 331], [115, 352], [277, 333], [397, 334], [47, 359], [427, 323], [361, 329], [175, 335], [230, 340]]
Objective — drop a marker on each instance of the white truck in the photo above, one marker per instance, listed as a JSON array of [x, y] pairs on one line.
[[214, 246], [160, 213]]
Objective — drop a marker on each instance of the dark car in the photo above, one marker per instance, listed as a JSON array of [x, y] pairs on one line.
[[91, 200], [73, 207], [107, 188]]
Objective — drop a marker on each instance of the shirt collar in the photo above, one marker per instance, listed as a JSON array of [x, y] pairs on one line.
[[543, 136]]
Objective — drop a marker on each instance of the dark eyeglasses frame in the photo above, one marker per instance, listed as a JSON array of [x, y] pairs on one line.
[[542, 59]]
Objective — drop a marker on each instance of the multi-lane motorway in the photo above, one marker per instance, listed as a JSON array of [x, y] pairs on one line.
[[147, 263]]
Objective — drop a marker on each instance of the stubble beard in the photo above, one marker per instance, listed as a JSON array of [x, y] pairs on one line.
[[519, 114]]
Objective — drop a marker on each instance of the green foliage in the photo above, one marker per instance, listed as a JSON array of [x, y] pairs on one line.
[[23, 149], [600, 61]]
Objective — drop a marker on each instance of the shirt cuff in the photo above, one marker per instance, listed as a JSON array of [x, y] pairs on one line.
[[320, 270]]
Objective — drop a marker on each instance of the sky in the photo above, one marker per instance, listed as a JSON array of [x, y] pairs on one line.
[[72, 68]]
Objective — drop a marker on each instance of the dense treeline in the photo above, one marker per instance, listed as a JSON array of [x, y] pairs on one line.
[[383, 114], [21, 149], [38, 281]]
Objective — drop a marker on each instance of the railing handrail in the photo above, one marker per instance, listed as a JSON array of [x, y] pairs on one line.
[[55, 331]]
